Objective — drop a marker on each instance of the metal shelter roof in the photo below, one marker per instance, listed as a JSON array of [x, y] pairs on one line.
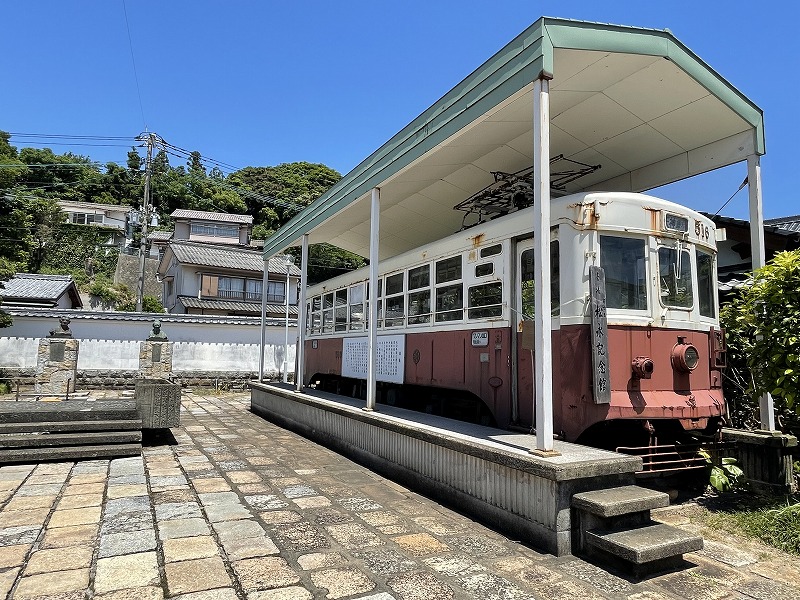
[[635, 101]]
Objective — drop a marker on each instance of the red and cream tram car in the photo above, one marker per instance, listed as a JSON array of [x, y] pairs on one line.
[[451, 319]]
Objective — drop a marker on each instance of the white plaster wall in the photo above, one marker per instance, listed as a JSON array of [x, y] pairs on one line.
[[194, 356], [19, 353], [109, 355]]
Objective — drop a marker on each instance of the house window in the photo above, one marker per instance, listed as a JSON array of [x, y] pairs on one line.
[[276, 292], [228, 231], [87, 218], [231, 288]]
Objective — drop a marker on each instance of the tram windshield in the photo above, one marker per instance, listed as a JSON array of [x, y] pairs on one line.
[[675, 277], [625, 265]]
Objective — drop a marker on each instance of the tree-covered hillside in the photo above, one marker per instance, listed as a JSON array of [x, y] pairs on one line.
[[32, 180]]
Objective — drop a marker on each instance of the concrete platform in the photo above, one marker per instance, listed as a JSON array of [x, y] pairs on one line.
[[488, 473]]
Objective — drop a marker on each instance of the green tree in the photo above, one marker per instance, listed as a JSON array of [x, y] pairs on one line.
[[762, 325]]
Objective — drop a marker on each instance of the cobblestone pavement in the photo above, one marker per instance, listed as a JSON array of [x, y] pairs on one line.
[[241, 508]]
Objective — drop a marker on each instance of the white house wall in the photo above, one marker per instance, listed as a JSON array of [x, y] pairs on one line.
[[19, 353]]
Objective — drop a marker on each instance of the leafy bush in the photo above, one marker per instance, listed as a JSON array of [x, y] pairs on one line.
[[762, 325], [724, 476]]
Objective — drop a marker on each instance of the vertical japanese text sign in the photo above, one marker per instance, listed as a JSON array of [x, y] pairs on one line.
[[601, 375]]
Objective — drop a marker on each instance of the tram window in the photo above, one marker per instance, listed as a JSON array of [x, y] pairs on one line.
[[316, 303], [485, 300], [340, 312], [327, 301], [484, 270], [419, 277], [419, 307], [327, 321], [491, 250], [448, 269], [357, 306], [526, 279], [625, 266], [449, 303], [394, 284], [316, 322], [395, 312], [705, 283], [675, 277]]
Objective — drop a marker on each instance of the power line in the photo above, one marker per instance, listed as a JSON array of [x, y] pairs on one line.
[[744, 183], [75, 137], [133, 60]]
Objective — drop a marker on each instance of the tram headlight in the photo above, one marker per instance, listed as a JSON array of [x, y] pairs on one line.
[[685, 356], [642, 367]]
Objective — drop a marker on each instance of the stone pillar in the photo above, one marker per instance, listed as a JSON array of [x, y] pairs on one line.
[[155, 359], [57, 365]]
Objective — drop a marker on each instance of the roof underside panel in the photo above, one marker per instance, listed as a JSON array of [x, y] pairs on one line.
[[635, 102]]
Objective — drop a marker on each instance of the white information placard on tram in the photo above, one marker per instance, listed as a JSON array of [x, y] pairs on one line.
[[390, 357]]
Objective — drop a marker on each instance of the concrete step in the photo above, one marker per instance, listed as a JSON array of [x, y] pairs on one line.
[[645, 545], [67, 410], [75, 426], [28, 455], [37, 440], [624, 500]]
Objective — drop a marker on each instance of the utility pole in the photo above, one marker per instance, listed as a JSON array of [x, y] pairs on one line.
[[149, 139]]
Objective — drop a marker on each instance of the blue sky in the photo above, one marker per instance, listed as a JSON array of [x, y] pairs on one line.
[[263, 82]]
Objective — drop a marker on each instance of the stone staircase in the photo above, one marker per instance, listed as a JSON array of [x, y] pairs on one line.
[[33, 431], [615, 527]]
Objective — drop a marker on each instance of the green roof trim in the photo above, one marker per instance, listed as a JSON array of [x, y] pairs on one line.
[[516, 65]]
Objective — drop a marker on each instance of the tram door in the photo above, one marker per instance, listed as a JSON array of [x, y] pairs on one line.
[[524, 311]]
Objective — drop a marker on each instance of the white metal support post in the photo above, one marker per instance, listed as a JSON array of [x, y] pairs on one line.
[[289, 262], [759, 259], [542, 355], [263, 320], [374, 240], [302, 315]]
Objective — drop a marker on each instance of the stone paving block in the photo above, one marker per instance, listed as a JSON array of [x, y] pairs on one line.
[[50, 584], [420, 544], [357, 503], [287, 593], [129, 571], [243, 528], [726, 554], [211, 484], [385, 561], [379, 517], [311, 502], [254, 488], [265, 502], [353, 536], [13, 556], [342, 582], [177, 510], [122, 522], [75, 516], [75, 535], [250, 547], [454, 565], [227, 512], [478, 545], [7, 579], [40, 490], [127, 506], [196, 575], [318, 560], [331, 516], [278, 517], [59, 559], [265, 573], [172, 496], [217, 594], [12, 518], [440, 525], [301, 537], [29, 502], [126, 491], [79, 501], [179, 528], [84, 488], [140, 593], [138, 479], [420, 586], [568, 590], [525, 570], [188, 548], [244, 477], [598, 577], [87, 478], [19, 534], [128, 542]]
